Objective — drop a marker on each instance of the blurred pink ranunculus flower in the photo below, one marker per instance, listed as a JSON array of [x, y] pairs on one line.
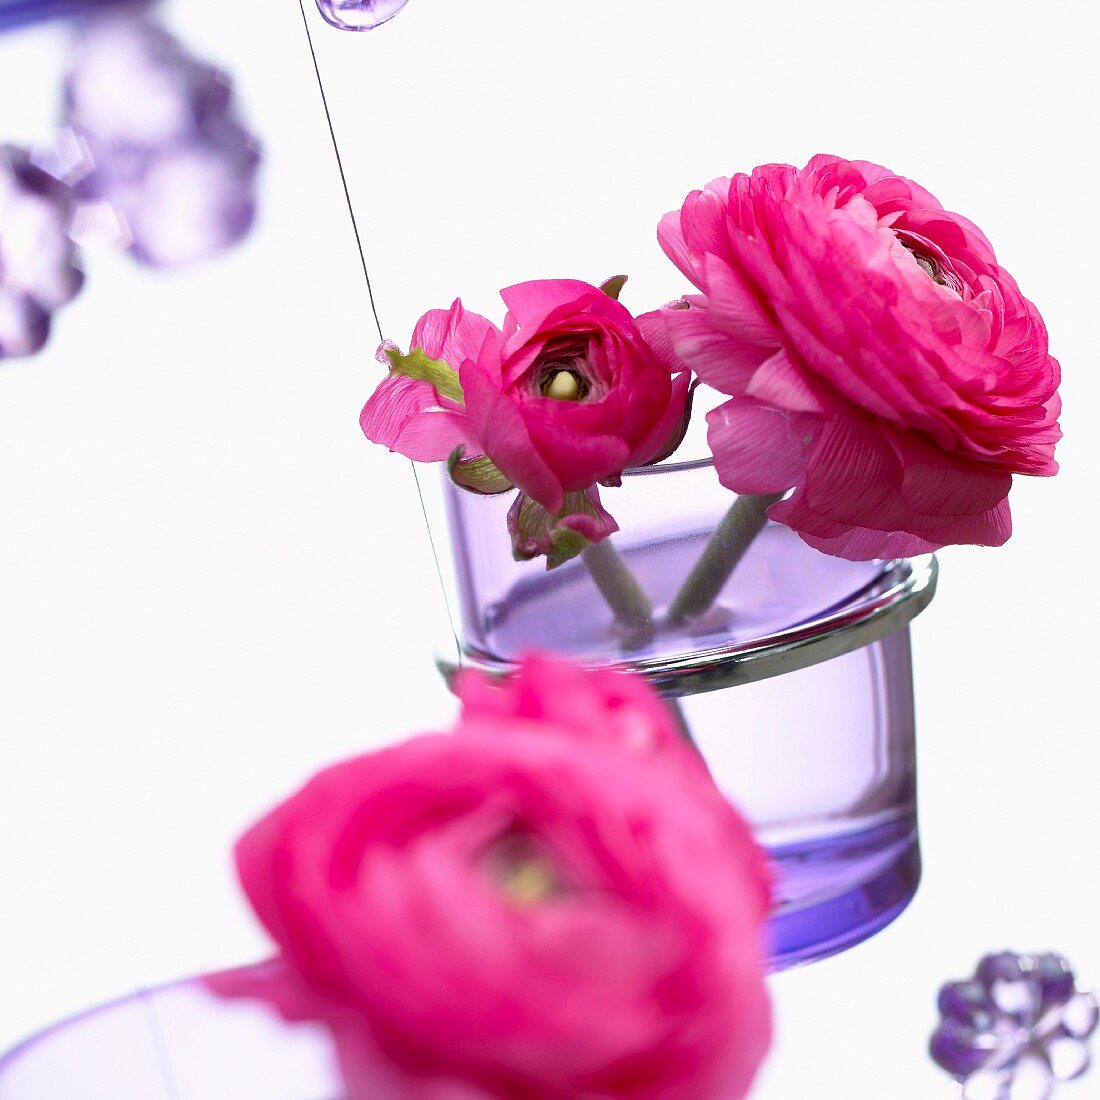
[[554, 901], [568, 395], [879, 359]]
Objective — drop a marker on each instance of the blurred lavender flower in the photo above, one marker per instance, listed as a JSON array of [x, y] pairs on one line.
[[359, 15], [1015, 1029], [38, 268], [165, 158]]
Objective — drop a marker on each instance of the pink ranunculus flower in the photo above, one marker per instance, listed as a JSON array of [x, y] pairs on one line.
[[566, 396], [879, 359], [552, 902]]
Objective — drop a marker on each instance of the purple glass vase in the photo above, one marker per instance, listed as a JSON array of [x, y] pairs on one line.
[[176, 1043], [796, 684]]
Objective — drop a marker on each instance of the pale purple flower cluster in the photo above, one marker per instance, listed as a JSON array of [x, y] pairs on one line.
[[1015, 1029], [38, 265], [165, 151]]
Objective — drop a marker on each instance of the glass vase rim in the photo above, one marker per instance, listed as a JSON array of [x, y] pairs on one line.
[[904, 589], [667, 467]]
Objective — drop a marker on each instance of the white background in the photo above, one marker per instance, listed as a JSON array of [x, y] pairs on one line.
[[210, 584]]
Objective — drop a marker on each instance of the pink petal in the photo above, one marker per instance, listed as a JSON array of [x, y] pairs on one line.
[[936, 483], [530, 302], [370, 1075], [435, 434], [275, 983], [758, 449], [405, 415], [777, 381], [668, 432], [453, 335], [724, 363], [577, 457], [593, 706], [697, 229], [734, 308], [862, 544], [992, 528], [505, 439], [853, 473], [654, 329], [670, 236]]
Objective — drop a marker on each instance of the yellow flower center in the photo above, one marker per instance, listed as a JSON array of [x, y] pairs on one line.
[[563, 385], [930, 267], [529, 882], [925, 262]]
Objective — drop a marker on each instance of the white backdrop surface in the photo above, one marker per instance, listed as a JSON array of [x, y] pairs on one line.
[[210, 584]]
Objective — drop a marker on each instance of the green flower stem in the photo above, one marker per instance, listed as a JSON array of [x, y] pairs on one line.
[[727, 546], [618, 585]]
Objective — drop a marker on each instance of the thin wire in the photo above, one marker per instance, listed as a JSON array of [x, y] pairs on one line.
[[340, 166], [374, 306]]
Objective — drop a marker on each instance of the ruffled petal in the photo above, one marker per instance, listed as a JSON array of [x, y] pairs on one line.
[[654, 329], [935, 483], [734, 309], [758, 449], [530, 303], [498, 422], [404, 414], [668, 433], [723, 362], [453, 335], [778, 382], [992, 528]]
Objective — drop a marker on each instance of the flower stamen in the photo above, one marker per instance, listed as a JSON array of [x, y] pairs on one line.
[[563, 384], [926, 263], [529, 883], [521, 871]]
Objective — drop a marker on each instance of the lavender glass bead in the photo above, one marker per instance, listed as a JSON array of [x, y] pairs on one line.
[[1015, 1029], [164, 149], [38, 267], [359, 15], [796, 686]]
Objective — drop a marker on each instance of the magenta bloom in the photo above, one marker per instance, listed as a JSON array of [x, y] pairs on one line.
[[572, 395], [554, 901], [567, 396], [879, 360]]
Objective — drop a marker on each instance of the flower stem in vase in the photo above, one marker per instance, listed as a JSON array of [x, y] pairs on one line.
[[620, 589], [727, 546]]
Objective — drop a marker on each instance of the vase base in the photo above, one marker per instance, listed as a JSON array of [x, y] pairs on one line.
[[837, 893]]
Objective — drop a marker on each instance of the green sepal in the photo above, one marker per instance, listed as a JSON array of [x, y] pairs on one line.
[[418, 366], [565, 544], [536, 532], [613, 287], [478, 475]]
